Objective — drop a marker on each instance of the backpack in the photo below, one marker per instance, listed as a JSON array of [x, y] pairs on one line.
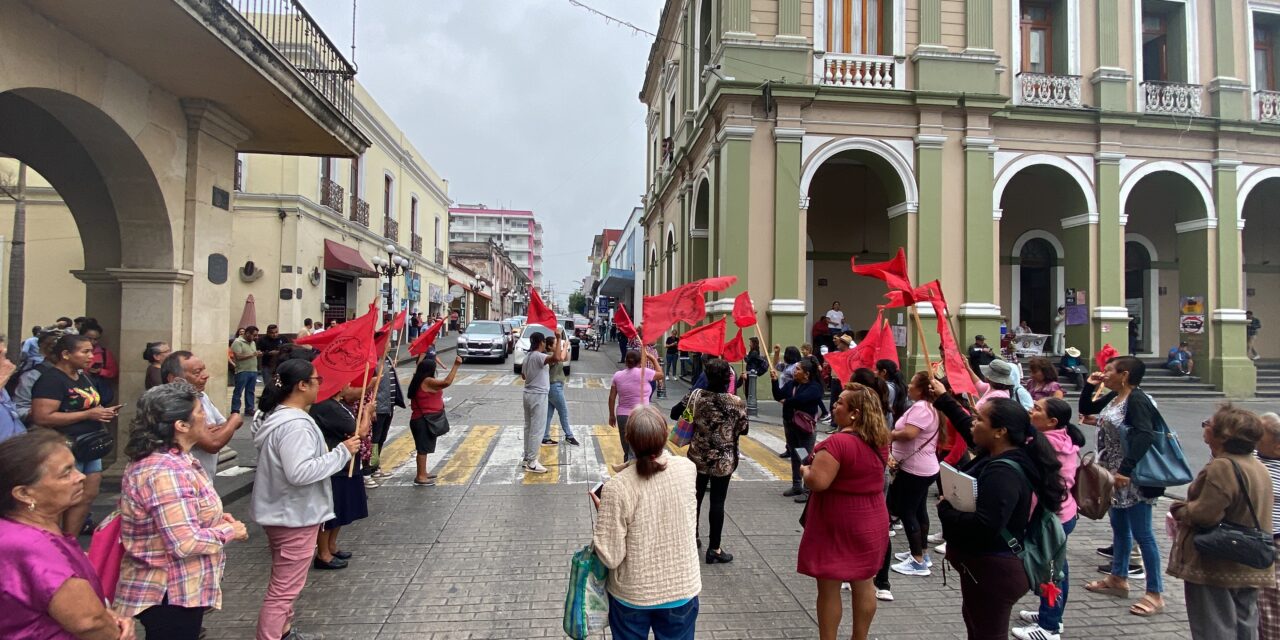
[[1043, 547]]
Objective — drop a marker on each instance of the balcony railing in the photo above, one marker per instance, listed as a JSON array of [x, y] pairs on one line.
[[415, 243], [359, 211], [390, 229], [1048, 90], [1171, 97], [297, 37], [439, 256], [862, 71], [1268, 105], [331, 194]]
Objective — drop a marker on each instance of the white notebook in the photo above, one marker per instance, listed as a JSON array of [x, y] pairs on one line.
[[960, 488]]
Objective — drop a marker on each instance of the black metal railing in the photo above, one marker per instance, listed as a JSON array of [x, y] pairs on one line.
[[359, 211], [297, 37], [390, 229], [415, 243], [331, 194], [439, 256]]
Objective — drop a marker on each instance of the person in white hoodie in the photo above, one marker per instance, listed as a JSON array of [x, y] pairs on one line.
[[292, 494]]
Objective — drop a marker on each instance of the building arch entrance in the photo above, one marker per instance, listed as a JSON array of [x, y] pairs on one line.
[[1260, 258]]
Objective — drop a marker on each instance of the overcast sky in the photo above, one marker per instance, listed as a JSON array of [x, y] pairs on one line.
[[523, 104]]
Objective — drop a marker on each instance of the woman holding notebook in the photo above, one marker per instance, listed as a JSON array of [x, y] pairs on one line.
[[1013, 464]]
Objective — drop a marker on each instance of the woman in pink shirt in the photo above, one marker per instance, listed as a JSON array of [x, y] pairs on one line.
[[630, 389], [913, 454]]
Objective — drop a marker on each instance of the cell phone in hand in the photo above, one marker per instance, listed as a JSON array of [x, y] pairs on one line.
[[804, 455], [596, 494]]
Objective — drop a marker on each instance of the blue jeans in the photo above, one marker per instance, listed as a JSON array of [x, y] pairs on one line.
[[246, 384], [628, 623], [673, 359], [1051, 617], [1127, 525], [556, 403]]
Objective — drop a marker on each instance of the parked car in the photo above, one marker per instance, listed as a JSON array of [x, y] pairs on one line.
[[522, 347], [483, 339], [511, 334]]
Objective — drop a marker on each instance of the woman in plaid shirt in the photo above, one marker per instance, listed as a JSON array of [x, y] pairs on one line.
[[172, 525]]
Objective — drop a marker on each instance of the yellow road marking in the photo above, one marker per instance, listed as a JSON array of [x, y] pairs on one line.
[[550, 458], [607, 442], [770, 429], [766, 457], [395, 454], [489, 378], [467, 455], [595, 383]]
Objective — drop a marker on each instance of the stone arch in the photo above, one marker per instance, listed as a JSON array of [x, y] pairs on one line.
[[670, 251], [1058, 272], [1197, 181], [894, 161], [1152, 284], [1073, 171], [1256, 178]]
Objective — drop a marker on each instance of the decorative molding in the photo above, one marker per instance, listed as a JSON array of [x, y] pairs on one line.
[[786, 134], [925, 310], [997, 214], [698, 233], [1240, 224], [902, 208], [988, 144], [127, 276], [1196, 225], [929, 141], [1108, 157], [1225, 83], [1223, 163], [782, 307], [925, 52], [723, 305], [735, 132], [980, 310], [804, 203], [1080, 220], [1124, 219], [1234, 316], [1111, 313]]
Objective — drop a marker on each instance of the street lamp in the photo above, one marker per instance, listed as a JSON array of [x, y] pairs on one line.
[[391, 266]]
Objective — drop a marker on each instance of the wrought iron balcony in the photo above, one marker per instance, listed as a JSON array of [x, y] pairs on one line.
[[861, 71], [415, 243], [390, 229], [297, 37], [1175, 98], [1268, 105], [359, 211], [1049, 90], [331, 194], [439, 256]]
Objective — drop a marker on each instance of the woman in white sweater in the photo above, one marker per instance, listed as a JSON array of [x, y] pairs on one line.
[[646, 535]]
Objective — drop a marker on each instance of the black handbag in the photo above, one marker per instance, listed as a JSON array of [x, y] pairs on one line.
[[96, 445], [437, 423], [1249, 546]]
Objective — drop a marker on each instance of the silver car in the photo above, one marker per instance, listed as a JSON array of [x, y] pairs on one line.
[[483, 339]]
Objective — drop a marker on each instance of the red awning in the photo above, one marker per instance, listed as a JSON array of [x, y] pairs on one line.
[[465, 286], [343, 259], [484, 295]]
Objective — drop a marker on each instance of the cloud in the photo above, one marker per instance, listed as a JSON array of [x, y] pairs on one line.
[[518, 103]]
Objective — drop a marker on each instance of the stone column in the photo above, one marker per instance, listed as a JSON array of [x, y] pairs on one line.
[[733, 214], [1079, 239], [978, 24], [1110, 80], [737, 18], [980, 313], [786, 309], [1228, 94], [1110, 318], [102, 301], [789, 19], [1195, 278], [1229, 366], [928, 254], [931, 23]]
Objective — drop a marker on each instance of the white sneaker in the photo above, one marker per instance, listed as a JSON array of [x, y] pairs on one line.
[[535, 467], [884, 594], [844, 586], [934, 538], [904, 556], [910, 567], [1034, 632], [941, 549], [370, 483], [1029, 617], [892, 533]]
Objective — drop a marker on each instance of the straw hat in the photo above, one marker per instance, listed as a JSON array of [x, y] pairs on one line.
[[1073, 352]]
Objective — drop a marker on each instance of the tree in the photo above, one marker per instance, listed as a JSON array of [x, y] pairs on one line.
[[17, 258], [578, 303]]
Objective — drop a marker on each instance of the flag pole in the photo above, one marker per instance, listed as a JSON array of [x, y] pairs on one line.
[[924, 348], [364, 387]]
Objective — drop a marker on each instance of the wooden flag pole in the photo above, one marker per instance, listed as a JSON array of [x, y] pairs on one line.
[[364, 386], [924, 348], [765, 346]]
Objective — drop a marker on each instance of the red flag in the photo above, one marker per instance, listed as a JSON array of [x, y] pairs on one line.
[[623, 322], [1104, 354], [893, 272], [383, 337], [887, 349], [423, 343], [744, 311], [684, 303], [899, 298], [539, 313], [321, 339], [708, 339], [867, 351], [346, 356], [842, 364], [735, 350], [953, 361]]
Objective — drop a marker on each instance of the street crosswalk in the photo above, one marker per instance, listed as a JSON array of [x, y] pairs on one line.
[[577, 381], [488, 454]]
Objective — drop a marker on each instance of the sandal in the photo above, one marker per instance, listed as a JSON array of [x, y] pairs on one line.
[[1102, 587], [1146, 606]]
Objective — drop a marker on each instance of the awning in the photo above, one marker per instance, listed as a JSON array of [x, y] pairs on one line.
[[340, 258], [465, 286], [484, 295], [618, 282]]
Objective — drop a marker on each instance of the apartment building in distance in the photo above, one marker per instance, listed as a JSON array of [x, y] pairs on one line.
[[516, 231]]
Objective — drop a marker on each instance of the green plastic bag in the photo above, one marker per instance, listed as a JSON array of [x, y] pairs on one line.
[[586, 603]]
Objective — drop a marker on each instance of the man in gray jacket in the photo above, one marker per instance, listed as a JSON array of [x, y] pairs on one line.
[[389, 397]]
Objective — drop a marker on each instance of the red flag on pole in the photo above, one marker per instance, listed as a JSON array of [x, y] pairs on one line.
[[842, 364], [708, 339], [744, 311], [893, 272], [682, 304], [383, 337], [321, 339], [867, 351], [346, 356], [735, 350], [953, 361], [623, 322], [887, 349], [423, 342], [538, 311]]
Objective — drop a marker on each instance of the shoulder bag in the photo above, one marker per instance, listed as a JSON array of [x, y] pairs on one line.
[[803, 420], [1093, 488], [682, 433], [1249, 546], [1164, 465], [94, 445], [437, 423]]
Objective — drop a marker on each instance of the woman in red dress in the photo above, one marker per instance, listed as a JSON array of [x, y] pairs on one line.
[[846, 518]]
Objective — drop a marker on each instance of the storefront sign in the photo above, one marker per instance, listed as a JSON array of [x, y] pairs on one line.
[[437, 293], [1191, 323]]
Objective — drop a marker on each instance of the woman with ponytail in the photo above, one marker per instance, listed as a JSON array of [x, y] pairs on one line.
[[292, 493], [991, 576], [1052, 417], [172, 525], [889, 372]]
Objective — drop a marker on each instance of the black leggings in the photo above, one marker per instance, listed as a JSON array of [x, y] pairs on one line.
[[719, 490], [797, 439], [171, 622], [909, 498]]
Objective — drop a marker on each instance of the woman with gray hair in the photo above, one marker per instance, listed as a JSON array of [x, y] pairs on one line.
[[1269, 455], [172, 525]]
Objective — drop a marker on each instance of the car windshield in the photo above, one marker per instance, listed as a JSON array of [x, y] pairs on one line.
[[535, 328], [484, 329]]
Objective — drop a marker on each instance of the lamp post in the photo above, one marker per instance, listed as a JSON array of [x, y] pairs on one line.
[[391, 266]]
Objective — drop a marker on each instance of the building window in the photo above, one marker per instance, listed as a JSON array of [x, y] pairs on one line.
[[388, 186], [1264, 59], [854, 26], [1155, 46], [413, 215], [1037, 37], [436, 234], [705, 36]]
